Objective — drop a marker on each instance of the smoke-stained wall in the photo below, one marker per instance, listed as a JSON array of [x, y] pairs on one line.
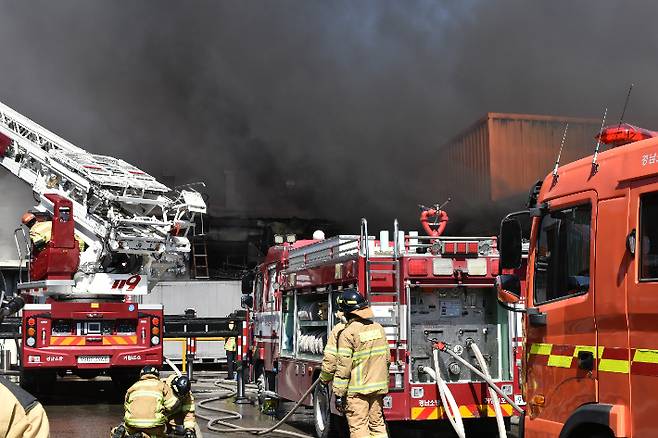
[[320, 109]]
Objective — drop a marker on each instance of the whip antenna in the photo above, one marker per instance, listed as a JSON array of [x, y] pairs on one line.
[[628, 97], [595, 165], [559, 155]]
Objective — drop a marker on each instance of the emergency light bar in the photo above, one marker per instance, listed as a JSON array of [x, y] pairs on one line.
[[624, 133]]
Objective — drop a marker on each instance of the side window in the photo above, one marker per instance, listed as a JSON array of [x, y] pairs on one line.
[[649, 237], [563, 254]]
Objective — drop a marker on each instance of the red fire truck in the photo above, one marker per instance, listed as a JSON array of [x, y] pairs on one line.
[[590, 333], [421, 288], [102, 233]]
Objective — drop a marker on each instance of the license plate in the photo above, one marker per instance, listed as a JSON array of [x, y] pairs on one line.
[[93, 359]]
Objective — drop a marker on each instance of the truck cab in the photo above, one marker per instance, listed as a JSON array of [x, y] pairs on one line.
[[591, 342]]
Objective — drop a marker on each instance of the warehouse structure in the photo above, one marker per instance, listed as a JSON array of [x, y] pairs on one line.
[[501, 155]]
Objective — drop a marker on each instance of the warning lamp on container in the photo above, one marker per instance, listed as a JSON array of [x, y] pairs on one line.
[[623, 133]]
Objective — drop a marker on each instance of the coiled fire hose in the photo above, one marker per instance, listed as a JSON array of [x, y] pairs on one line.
[[502, 432], [441, 346], [227, 427]]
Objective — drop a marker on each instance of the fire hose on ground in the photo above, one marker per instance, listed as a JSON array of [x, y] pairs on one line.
[[227, 391]]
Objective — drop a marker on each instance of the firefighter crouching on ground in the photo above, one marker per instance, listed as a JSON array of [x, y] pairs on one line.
[[147, 404], [41, 232], [182, 414], [230, 347], [361, 377], [21, 415]]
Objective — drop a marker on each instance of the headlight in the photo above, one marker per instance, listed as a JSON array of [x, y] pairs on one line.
[[155, 340]]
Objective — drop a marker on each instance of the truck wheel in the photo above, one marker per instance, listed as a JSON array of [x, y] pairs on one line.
[[326, 424]]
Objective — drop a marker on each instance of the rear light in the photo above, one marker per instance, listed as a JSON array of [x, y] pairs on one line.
[[31, 322], [155, 321], [155, 331], [31, 331], [31, 342], [155, 340]]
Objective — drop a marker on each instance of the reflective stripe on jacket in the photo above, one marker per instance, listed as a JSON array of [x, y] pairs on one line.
[[183, 412], [363, 359], [148, 402], [229, 344], [330, 358]]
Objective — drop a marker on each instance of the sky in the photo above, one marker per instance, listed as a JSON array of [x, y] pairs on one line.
[[326, 109]]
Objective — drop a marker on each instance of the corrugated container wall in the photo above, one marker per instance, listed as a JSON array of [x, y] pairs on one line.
[[502, 155]]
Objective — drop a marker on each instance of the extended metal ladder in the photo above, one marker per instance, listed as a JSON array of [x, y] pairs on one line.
[[200, 259], [386, 265]]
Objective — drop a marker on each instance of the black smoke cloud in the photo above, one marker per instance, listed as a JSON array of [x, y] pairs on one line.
[[318, 109]]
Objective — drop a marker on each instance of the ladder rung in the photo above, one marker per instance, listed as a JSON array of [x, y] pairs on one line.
[[383, 262], [383, 271]]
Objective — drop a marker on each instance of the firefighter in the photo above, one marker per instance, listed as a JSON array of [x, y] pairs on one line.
[[41, 232], [147, 404], [361, 377], [21, 415], [230, 347], [331, 350], [183, 413]]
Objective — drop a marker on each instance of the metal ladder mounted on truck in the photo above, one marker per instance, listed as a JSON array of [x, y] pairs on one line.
[[386, 263]]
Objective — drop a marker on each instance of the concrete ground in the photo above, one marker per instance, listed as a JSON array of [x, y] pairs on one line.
[[84, 409]]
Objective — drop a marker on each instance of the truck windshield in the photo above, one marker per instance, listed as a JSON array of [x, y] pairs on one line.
[[563, 254]]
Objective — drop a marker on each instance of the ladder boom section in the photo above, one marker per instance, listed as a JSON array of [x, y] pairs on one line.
[[118, 208]]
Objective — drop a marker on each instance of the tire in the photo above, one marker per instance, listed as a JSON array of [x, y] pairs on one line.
[[327, 425]]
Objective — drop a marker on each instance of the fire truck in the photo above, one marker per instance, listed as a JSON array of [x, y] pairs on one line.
[[422, 288], [591, 368], [113, 232]]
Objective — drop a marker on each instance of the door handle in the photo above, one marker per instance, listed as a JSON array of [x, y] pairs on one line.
[[586, 360], [536, 318]]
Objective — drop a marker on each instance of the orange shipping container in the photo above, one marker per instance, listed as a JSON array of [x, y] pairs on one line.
[[502, 155]]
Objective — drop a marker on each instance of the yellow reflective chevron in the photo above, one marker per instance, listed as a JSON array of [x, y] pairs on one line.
[[614, 366], [543, 349]]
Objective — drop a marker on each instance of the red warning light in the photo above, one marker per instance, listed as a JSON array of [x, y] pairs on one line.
[[623, 134]]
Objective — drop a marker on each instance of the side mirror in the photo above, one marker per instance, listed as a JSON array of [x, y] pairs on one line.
[[248, 284], [508, 288], [247, 301], [509, 244]]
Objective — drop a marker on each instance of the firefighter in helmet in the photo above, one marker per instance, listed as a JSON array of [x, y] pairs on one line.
[[41, 232], [330, 358], [182, 415], [361, 377], [21, 415], [147, 404]]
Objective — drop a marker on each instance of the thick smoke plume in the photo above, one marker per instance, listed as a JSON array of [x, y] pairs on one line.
[[319, 109]]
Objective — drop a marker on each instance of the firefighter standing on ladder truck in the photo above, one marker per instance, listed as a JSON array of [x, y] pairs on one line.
[[361, 378]]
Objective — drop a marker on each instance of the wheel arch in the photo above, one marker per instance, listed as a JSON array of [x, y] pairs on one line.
[[595, 415]]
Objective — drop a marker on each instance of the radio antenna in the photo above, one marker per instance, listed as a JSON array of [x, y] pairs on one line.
[[595, 164], [559, 155], [628, 97]]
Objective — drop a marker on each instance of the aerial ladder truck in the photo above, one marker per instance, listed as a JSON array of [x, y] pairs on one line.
[[81, 311]]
